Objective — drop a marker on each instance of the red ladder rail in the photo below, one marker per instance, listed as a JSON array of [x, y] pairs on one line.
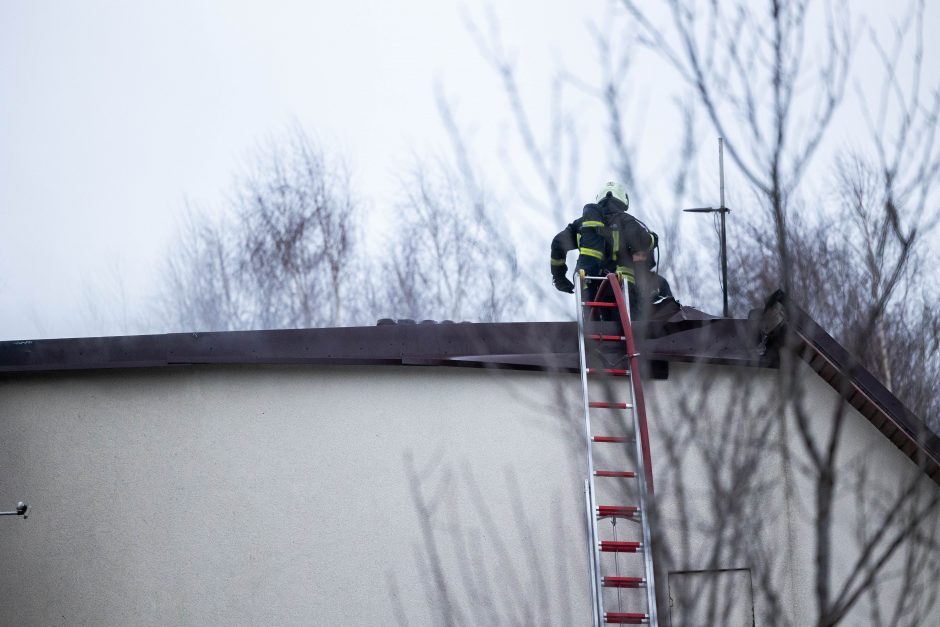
[[611, 282]]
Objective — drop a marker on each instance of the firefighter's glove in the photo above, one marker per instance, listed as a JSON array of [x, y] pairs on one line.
[[563, 284]]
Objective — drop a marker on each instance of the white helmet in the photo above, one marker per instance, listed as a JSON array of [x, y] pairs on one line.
[[616, 190]]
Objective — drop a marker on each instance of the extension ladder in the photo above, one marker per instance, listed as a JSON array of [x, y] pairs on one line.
[[602, 519]]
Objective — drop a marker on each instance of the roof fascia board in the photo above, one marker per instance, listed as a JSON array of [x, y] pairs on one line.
[[858, 387]]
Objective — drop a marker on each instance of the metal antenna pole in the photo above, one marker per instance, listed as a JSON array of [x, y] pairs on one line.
[[722, 210], [721, 170], [723, 237]]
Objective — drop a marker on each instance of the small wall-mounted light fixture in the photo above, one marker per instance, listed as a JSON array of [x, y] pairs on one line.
[[22, 509]]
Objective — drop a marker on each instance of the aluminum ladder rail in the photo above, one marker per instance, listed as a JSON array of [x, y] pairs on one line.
[[639, 453]]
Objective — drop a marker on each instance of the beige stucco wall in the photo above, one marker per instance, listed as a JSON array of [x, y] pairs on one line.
[[737, 489], [287, 495], [356, 495]]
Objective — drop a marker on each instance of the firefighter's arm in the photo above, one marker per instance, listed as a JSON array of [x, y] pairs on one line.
[[641, 242], [563, 242]]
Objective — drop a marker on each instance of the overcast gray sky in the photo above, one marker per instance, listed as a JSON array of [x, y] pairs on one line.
[[114, 113]]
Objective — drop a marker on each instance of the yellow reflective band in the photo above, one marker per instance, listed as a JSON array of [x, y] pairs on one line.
[[593, 223], [616, 243], [558, 262], [652, 241], [590, 252], [626, 271]]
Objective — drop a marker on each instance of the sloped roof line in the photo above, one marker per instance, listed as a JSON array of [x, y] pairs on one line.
[[860, 389]]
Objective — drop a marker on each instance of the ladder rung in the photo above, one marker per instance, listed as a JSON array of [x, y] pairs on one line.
[[618, 546], [617, 511], [625, 618], [594, 303], [626, 474], [624, 582], [606, 405], [612, 372], [606, 338], [613, 439]]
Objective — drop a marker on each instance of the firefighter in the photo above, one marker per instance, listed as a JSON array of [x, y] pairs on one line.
[[609, 239]]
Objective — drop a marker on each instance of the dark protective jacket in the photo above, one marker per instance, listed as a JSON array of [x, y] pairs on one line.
[[606, 237]]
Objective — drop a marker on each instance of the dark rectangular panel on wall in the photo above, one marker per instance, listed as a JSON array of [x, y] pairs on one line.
[[703, 598]]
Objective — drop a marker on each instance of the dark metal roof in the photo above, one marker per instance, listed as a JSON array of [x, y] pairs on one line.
[[522, 345], [688, 337]]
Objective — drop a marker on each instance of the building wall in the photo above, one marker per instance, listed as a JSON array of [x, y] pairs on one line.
[[289, 495], [737, 492], [382, 495]]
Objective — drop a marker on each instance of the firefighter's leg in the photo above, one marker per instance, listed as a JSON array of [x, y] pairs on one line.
[[646, 285], [664, 290], [590, 294], [632, 296]]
